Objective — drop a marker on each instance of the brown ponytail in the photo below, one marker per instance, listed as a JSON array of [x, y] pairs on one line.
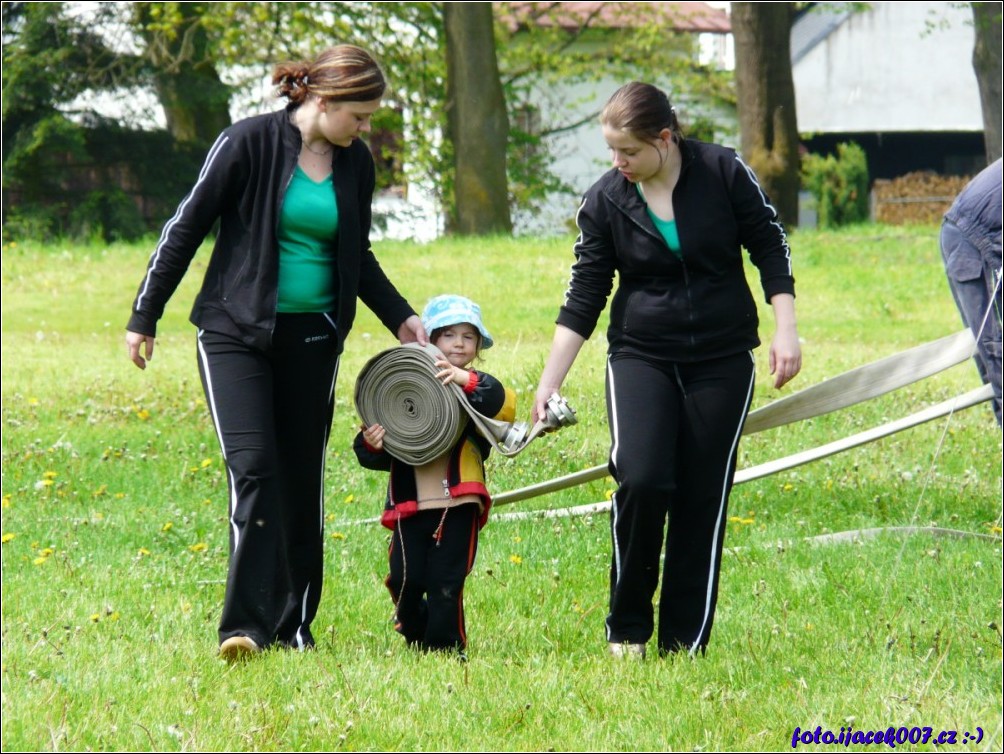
[[339, 74]]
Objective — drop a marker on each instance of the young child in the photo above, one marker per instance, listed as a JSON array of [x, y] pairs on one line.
[[437, 510]]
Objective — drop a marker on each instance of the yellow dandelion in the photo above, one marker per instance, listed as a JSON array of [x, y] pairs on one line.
[[788, 487], [206, 462], [168, 526], [114, 615], [143, 414], [103, 489], [609, 494], [39, 561], [198, 547], [6, 501], [337, 535], [46, 552], [143, 551], [350, 498], [7, 536], [95, 617], [119, 495], [515, 559], [33, 401]]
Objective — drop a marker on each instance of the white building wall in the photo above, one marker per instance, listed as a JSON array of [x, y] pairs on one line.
[[900, 66]]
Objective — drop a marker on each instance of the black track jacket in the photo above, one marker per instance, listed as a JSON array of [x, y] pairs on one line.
[[242, 184], [690, 308]]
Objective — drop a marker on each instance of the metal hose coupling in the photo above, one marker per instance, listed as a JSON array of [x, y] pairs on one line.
[[558, 414]]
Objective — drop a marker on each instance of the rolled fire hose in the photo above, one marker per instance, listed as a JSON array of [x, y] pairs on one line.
[[423, 419]]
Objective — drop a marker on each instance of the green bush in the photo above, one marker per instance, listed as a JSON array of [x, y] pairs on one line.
[[839, 184], [107, 213]]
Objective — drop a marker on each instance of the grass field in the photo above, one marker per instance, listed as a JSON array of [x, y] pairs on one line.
[[115, 541]]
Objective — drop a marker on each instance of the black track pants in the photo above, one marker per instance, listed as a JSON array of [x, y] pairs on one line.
[[427, 575], [674, 431], [272, 411]]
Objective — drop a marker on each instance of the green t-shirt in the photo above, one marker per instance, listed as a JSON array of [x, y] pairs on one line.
[[308, 224], [667, 228]]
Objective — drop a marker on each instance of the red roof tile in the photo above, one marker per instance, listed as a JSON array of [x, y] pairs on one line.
[[686, 17]]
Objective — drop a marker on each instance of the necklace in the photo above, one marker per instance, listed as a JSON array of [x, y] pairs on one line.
[[322, 153]]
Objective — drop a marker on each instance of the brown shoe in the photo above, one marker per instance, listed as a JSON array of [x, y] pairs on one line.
[[238, 648]]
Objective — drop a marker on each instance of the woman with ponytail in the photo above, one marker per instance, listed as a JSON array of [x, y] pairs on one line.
[[670, 219], [291, 191]]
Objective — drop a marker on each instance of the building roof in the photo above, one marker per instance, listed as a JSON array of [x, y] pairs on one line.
[[813, 25], [684, 16]]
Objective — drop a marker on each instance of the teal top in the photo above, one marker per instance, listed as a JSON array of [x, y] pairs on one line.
[[667, 228], [308, 224]]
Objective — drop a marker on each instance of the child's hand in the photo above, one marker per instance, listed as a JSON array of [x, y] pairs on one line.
[[374, 436], [449, 373]]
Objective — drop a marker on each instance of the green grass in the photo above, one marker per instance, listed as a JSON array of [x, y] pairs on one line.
[[115, 538]]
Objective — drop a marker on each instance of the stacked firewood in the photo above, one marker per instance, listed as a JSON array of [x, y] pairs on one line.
[[920, 197]]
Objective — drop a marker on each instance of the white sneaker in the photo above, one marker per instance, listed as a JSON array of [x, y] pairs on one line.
[[627, 649]]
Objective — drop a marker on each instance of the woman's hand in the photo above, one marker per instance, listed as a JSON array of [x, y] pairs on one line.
[[785, 351], [412, 331], [564, 348], [134, 340], [785, 357]]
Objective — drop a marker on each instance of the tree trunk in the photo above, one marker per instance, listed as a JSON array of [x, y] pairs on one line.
[[766, 97], [987, 64], [477, 124], [195, 101]]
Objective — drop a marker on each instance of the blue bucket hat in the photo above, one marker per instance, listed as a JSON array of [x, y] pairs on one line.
[[448, 309]]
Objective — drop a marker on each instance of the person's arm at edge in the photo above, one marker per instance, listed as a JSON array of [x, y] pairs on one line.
[[785, 357]]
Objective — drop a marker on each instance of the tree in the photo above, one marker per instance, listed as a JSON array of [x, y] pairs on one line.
[[182, 60], [477, 123], [54, 180], [182, 49], [987, 64], [766, 98]]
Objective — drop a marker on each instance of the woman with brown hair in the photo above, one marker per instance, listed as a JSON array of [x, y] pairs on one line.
[[669, 220], [291, 191]]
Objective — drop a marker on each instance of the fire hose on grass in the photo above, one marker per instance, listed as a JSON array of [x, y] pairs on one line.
[[841, 391]]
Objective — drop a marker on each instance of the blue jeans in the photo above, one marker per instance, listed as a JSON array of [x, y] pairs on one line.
[[975, 282]]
